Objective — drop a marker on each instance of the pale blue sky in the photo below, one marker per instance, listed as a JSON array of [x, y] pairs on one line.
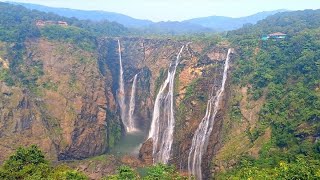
[[163, 10]]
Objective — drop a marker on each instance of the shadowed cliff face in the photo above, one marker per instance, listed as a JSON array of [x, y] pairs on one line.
[[74, 113]]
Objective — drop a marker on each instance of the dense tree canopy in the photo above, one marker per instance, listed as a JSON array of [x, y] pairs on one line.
[[287, 73], [155, 172], [18, 23], [30, 163]]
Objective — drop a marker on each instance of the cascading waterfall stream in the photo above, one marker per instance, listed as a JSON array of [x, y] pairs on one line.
[[201, 137], [163, 121], [121, 93], [131, 120]]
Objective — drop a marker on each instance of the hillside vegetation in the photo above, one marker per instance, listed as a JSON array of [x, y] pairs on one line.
[[196, 25], [30, 163], [286, 73], [18, 24]]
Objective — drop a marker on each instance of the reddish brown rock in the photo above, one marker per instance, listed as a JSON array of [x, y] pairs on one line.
[[131, 161], [145, 153]]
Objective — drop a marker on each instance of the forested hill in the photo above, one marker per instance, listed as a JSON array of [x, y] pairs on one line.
[[221, 23], [288, 22], [285, 76], [197, 25], [90, 15], [18, 23]]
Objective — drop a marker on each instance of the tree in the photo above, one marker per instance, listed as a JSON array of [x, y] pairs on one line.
[[30, 164], [155, 172], [124, 173], [163, 172], [25, 163]]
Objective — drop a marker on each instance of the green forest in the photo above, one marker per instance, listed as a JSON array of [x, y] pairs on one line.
[[19, 23], [288, 73], [30, 163]]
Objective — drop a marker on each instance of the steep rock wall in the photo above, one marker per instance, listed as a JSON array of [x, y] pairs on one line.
[[146, 57], [64, 111], [74, 113]]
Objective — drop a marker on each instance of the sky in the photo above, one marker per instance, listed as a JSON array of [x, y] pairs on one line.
[[177, 10]]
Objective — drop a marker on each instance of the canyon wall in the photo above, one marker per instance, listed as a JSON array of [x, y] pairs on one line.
[[73, 111], [64, 111]]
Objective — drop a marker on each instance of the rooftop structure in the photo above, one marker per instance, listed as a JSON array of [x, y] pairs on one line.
[[41, 23], [276, 35]]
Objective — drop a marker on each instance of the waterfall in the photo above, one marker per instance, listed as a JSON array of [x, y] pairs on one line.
[[201, 137], [131, 120], [163, 122], [121, 93]]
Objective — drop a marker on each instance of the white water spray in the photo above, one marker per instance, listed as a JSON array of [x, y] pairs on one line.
[[201, 137], [163, 121], [131, 119]]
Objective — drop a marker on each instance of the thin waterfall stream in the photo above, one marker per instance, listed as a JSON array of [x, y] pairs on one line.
[[132, 140], [163, 121], [127, 121], [121, 92], [202, 134], [131, 118]]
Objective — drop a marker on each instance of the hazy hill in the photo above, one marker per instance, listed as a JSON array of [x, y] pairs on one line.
[[222, 23], [90, 15], [175, 28], [204, 24]]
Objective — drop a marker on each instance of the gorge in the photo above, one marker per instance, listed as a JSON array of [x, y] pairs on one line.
[[117, 61], [190, 64]]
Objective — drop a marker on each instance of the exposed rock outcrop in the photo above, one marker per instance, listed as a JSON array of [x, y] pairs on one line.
[[145, 153], [66, 111]]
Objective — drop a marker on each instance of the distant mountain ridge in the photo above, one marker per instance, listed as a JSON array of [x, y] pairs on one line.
[[175, 28], [89, 15], [203, 24], [222, 23]]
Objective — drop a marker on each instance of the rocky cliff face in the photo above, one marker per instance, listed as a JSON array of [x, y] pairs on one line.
[[65, 110], [196, 80], [73, 114], [146, 57], [200, 69]]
